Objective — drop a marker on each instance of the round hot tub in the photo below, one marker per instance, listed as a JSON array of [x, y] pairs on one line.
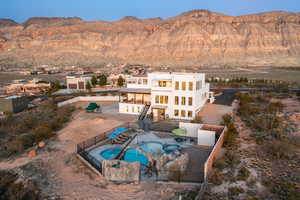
[[169, 148], [152, 147]]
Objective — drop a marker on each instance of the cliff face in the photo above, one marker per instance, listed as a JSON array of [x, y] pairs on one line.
[[194, 38]]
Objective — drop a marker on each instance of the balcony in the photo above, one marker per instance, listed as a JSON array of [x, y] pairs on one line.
[[161, 85]]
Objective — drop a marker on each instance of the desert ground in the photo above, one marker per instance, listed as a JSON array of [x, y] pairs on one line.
[[61, 175]]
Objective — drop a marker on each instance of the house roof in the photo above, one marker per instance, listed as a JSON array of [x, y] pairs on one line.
[[135, 90]]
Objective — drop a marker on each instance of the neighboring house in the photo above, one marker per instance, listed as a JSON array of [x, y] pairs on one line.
[[27, 88], [167, 95], [78, 83], [13, 104]]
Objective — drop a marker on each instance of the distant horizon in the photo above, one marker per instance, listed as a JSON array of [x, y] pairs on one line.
[[270, 11], [114, 10]]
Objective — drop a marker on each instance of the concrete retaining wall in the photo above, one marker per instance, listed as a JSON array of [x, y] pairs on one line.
[[89, 98]]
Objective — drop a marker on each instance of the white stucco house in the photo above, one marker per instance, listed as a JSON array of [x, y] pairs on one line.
[[166, 95], [78, 82]]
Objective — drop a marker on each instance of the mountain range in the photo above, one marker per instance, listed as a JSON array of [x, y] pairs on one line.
[[194, 38]]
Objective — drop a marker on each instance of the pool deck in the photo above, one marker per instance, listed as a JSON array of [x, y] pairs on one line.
[[197, 158]]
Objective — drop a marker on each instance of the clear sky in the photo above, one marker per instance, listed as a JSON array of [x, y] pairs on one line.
[[21, 10]]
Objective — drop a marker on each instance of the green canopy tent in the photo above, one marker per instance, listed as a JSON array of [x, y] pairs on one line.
[[179, 132], [92, 107]]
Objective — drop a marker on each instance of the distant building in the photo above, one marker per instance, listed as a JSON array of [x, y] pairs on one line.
[[78, 83], [13, 104]]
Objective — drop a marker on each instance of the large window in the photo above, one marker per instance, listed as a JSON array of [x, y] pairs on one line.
[[156, 99], [191, 86], [176, 100], [183, 85], [145, 81], [177, 85], [161, 99], [182, 113], [190, 114], [162, 83], [183, 101], [176, 113], [190, 101]]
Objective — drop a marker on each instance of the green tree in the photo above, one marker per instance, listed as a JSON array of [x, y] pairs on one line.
[[103, 80], [94, 80], [121, 81], [88, 86]]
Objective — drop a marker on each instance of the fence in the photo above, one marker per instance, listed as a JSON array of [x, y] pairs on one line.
[[87, 98], [81, 147]]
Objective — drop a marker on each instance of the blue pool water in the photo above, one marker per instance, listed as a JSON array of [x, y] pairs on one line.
[[133, 155], [169, 148], [115, 133], [110, 154], [152, 147]]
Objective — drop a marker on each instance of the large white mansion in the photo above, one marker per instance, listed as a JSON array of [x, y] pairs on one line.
[[166, 95]]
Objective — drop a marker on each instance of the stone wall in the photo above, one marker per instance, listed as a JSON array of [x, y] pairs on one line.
[[121, 171]]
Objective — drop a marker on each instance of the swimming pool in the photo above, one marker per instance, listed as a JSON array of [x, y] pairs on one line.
[[151, 147], [133, 155], [170, 148], [110, 154]]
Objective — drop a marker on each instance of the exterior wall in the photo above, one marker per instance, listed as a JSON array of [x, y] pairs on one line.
[[128, 108], [14, 105], [91, 99], [138, 82], [77, 83], [206, 138], [192, 128], [213, 155]]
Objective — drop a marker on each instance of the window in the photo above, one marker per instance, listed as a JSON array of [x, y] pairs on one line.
[[176, 100], [139, 81], [183, 113], [133, 109], [190, 101], [191, 86], [127, 109], [198, 85], [183, 101], [161, 99], [166, 99], [183, 85], [139, 109], [176, 113], [177, 85], [190, 114], [145, 81], [156, 99], [162, 83]]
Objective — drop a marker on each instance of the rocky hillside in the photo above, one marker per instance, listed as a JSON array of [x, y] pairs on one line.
[[195, 38]]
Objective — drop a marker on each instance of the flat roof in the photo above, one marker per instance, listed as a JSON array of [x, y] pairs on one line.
[[12, 97], [135, 90]]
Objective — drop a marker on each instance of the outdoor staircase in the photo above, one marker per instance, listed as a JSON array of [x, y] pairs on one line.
[[144, 112]]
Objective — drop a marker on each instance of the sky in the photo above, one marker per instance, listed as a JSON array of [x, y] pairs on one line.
[[112, 10]]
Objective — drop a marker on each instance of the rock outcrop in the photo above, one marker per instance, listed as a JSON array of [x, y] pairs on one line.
[[194, 38]]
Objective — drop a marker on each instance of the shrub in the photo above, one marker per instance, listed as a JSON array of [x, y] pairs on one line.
[[216, 177], [232, 159], [42, 132], [279, 149], [10, 190], [219, 164], [243, 174], [235, 191]]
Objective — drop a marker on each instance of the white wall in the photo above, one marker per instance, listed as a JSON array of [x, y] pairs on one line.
[[87, 98], [128, 108], [206, 138], [192, 128]]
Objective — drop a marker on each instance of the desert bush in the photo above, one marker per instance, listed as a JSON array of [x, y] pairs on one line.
[[235, 191], [243, 174], [232, 133], [220, 164], [279, 149], [231, 158], [42, 132], [286, 190], [10, 190], [216, 177]]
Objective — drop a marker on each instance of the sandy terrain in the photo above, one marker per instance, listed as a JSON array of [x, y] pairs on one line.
[[62, 176], [212, 113]]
